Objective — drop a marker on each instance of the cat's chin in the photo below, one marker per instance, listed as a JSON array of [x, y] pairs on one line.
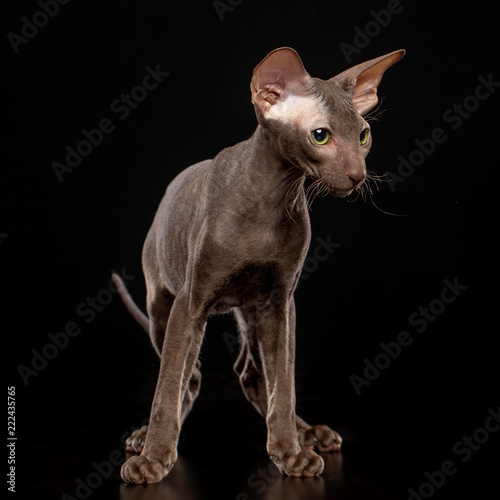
[[339, 193]]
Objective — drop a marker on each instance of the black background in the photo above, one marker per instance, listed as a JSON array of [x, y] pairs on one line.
[[64, 238]]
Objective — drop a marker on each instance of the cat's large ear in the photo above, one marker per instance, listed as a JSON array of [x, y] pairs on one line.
[[280, 73], [362, 80]]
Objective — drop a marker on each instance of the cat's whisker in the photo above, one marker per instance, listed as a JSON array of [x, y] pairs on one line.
[[378, 177], [376, 113], [380, 210], [366, 190], [293, 168], [309, 194], [358, 192], [375, 184], [323, 191], [293, 193], [313, 191], [295, 185], [311, 187], [314, 196]]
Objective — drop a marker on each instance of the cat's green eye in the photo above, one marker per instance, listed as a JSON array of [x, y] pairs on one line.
[[364, 136], [320, 136]]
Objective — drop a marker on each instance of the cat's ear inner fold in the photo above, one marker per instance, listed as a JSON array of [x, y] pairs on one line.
[[280, 73], [362, 80]]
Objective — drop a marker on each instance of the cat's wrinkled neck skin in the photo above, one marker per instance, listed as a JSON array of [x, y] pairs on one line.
[[268, 175]]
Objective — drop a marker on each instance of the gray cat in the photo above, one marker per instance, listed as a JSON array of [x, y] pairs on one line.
[[232, 233]]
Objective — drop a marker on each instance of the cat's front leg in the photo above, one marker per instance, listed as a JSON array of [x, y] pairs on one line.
[[178, 357], [276, 340]]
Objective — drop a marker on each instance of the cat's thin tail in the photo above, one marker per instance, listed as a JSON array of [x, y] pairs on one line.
[[136, 313]]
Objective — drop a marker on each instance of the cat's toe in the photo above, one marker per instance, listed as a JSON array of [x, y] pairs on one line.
[[321, 437], [304, 464], [135, 442]]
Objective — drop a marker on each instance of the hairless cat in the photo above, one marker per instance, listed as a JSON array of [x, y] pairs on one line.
[[232, 233]]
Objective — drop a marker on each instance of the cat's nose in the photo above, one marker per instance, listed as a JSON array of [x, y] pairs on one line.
[[356, 177]]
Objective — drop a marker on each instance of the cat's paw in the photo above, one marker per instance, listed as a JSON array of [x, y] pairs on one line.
[[140, 469], [306, 463], [135, 442], [321, 437]]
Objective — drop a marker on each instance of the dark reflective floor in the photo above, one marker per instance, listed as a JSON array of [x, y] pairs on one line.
[[351, 474], [222, 453], [264, 482]]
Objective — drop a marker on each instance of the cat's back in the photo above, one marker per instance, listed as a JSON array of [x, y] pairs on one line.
[[184, 182], [181, 199]]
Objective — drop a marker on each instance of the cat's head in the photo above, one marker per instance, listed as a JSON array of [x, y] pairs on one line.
[[317, 125]]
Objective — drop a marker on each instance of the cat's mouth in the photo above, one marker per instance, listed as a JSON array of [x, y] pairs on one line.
[[323, 184], [329, 183]]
